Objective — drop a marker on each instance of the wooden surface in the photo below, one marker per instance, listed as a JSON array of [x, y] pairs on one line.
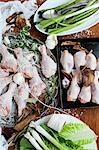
[[89, 115]]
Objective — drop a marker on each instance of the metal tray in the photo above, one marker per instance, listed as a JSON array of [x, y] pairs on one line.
[[89, 44]]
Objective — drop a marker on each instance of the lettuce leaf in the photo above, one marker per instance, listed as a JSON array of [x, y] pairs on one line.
[[25, 144], [78, 133]]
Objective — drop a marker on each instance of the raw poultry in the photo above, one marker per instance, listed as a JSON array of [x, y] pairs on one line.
[[6, 100], [91, 61], [20, 78], [48, 65], [37, 86], [67, 61], [8, 61], [74, 89], [87, 88], [24, 65], [20, 97], [95, 88], [4, 82], [80, 59], [85, 94]]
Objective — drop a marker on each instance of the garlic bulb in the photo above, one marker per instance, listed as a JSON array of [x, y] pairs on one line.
[[18, 78], [49, 14], [51, 41]]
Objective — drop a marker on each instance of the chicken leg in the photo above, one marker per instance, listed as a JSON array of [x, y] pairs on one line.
[[91, 61], [95, 88], [8, 61], [48, 65], [80, 59], [25, 66], [37, 86], [85, 94], [4, 82], [74, 89], [67, 61], [20, 97], [6, 100], [3, 73]]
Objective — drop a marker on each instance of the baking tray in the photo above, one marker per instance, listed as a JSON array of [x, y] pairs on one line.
[[89, 44]]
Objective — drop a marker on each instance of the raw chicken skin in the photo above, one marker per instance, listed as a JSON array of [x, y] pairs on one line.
[[85, 94], [74, 89], [8, 61], [6, 100], [80, 59], [37, 86], [4, 82], [67, 61], [97, 67], [3, 73], [48, 66], [95, 88], [24, 65], [20, 97], [91, 61]]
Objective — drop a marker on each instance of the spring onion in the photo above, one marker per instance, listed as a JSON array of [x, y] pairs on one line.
[[38, 139], [48, 136], [64, 17], [32, 141], [68, 16]]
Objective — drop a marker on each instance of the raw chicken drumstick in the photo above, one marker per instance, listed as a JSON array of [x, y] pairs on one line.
[[95, 88], [85, 94], [74, 89], [6, 100], [4, 82], [67, 61], [91, 61], [48, 66], [80, 59], [8, 61], [24, 65], [3, 73], [21, 95], [37, 86]]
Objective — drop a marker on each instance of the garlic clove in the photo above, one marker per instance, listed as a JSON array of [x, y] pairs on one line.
[[51, 41]]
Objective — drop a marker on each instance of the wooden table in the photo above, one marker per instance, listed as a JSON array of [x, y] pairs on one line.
[[89, 115]]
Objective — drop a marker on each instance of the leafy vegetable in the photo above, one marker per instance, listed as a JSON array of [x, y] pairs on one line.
[[73, 136], [80, 134], [25, 144]]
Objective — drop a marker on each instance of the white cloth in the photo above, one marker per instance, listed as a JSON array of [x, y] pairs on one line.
[[8, 8], [3, 142]]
